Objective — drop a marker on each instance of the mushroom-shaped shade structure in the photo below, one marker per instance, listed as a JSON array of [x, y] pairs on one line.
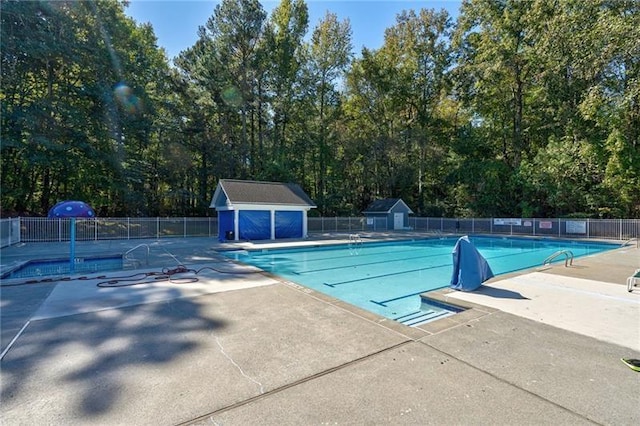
[[71, 209]]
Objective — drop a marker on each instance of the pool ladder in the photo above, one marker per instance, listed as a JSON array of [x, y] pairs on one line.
[[125, 256], [354, 243], [354, 239], [568, 258], [630, 241]]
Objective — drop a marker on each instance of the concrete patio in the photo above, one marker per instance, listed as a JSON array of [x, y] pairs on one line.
[[239, 347]]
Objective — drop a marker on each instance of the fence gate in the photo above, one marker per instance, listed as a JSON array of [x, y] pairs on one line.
[[9, 231]]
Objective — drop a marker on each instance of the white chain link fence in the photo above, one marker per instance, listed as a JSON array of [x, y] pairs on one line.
[[36, 229]]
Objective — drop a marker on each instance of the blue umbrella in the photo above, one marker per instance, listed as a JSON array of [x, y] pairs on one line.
[[71, 209]]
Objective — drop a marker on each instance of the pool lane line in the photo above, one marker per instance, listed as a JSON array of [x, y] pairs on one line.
[[311, 271], [439, 266], [333, 285], [265, 256], [543, 246], [343, 256], [385, 275], [412, 270], [383, 302], [14, 340], [525, 252]]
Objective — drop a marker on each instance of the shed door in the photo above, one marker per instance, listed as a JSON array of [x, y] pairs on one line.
[[225, 224], [288, 224], [398, 220], [254, 224]]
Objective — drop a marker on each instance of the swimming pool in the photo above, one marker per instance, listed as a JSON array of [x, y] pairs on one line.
[[54, 267], [387, 277]]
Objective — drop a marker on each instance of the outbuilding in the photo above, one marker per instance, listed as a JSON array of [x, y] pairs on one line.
[[252, 210], [393, 212]]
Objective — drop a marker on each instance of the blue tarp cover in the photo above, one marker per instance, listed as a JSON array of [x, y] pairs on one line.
[[470, 269], [254, 224], [288, 224], [225, 223]]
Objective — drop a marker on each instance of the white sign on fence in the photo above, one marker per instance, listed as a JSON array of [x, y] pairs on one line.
[[545, 224], [516, 222], [576, 227]]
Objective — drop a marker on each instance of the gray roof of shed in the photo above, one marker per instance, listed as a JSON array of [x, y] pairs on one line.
[[254, 192], [385, 205]]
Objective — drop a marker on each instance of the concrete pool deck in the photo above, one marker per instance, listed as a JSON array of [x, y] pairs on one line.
[[248, 348]]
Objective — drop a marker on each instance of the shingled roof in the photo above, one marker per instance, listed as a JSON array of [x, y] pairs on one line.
[[254, 192], [385, 205]]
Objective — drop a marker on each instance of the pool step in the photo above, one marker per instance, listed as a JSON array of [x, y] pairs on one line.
[[423, 316], [131, 264]]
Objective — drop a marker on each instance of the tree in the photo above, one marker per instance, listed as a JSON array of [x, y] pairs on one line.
[[230, 55], [328, 55], [493, 40], [523, 108], [77, 109], [587, 84], [284, 43], [418, 48]]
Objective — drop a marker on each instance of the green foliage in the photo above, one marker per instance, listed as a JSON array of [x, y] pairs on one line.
[[520, 108], [78, 109]]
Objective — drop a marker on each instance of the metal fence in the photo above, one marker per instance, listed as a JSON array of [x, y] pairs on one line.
[[36, 229], [612, 229], [9, 231], [31, 229]]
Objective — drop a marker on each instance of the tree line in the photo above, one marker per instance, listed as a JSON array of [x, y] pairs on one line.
[[518, 108]]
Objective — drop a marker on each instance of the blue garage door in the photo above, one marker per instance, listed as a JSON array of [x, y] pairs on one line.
[[288, 224], [254, 224]]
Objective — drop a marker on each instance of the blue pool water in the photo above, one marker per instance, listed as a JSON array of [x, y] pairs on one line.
[[387, 278], [54, 267]]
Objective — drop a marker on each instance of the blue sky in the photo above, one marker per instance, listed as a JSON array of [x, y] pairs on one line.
[[176, 22]]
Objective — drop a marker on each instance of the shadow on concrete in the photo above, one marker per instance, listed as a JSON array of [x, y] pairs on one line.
[[93, 353], [17, 305], [500, 293]]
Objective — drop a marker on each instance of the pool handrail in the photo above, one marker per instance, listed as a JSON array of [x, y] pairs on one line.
[[124, 256], [568, 258]]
